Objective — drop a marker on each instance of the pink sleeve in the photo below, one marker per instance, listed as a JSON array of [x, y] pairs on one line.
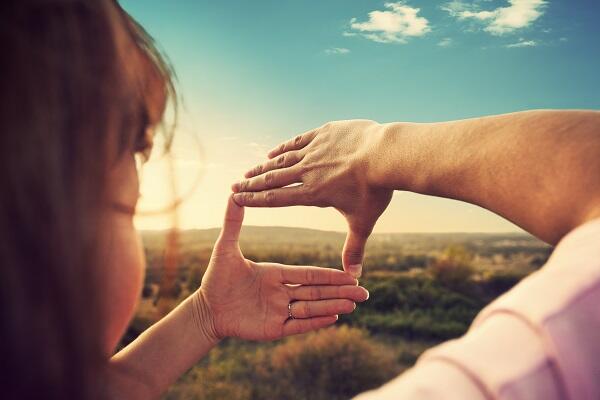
[[540, 340]]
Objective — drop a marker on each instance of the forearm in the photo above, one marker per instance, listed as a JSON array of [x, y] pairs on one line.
[[150, 364], [539, 169]]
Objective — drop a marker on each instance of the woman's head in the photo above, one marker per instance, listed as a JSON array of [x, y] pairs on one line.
[[81, 88]]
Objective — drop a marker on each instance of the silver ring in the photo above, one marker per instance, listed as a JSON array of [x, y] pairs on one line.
[[290, 316]]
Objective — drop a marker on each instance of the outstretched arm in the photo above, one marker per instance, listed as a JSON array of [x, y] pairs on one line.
[[539, 169]]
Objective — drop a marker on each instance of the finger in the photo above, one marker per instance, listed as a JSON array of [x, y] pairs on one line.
[[293, 144], [323, 292], [283, 161], [315, 276], [278, 197], [232, 223], [353, 253], [321, 308], [269, 180], [296, 326]]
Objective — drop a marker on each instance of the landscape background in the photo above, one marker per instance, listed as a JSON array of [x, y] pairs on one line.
[[424, 289], [252, 74]]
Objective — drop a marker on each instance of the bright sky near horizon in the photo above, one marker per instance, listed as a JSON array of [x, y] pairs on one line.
[[254, 73]]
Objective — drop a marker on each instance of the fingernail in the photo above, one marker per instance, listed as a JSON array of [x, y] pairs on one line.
[[355, 270], [367, 293]]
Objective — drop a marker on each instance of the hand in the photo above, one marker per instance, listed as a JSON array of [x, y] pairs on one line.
[[250, 300], [332, 165]]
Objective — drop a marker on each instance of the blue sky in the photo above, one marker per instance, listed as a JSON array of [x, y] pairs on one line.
[[253, 73]]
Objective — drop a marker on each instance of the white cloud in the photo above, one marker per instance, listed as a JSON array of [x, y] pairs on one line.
[[337, 50], [518, 14], [393, 25], [522, 43], [445, 42], [455, 7]]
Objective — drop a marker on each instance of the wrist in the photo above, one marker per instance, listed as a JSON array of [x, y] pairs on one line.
[[204, 319], [394, 158]]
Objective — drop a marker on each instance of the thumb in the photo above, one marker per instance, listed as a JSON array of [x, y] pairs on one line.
[[352, 255], [232, 224]]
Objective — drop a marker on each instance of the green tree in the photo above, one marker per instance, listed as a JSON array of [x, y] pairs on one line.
[[454, 269]]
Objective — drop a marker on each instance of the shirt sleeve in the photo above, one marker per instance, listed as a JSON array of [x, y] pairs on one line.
[[537, 341]]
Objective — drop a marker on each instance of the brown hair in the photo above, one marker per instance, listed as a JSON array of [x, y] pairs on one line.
[[81, 82]]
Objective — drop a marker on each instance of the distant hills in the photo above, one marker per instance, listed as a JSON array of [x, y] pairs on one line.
[[303, 237], [275, 232]]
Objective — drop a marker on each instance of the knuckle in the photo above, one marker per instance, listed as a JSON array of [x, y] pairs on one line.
[[309, 275], [248, 196], [298, 139], [269, 177], [244, 185], [354, 253], [281, 160], [258, 170], [270, 198], [306, 309]]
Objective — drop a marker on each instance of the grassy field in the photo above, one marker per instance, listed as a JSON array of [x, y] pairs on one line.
[[425, 288]]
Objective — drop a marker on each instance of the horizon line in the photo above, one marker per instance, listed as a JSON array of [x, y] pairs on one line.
[[522, 233]]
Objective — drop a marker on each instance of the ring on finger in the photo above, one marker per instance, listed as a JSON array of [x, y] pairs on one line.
[[290, 315]]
